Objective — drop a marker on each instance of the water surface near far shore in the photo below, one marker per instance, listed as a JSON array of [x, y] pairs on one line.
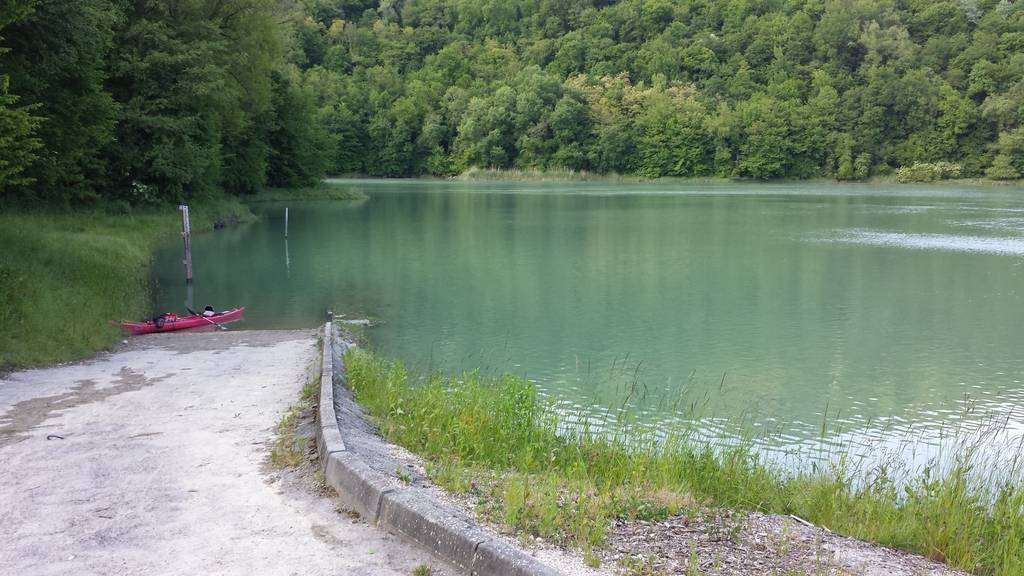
[[898, 311]]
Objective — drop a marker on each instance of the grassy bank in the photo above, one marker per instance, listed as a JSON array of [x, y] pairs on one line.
[[326, 190], [537, 175], [540, 474], [566, 175], [65, 275], [952, 182]]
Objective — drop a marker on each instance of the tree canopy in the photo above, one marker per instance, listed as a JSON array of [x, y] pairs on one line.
[[142, 100], [146, 99], [738, 88]]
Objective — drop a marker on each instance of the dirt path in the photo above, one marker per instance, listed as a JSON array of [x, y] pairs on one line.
[[153, 460]]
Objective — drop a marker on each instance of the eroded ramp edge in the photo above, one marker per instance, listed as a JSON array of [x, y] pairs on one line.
[[401, 510]]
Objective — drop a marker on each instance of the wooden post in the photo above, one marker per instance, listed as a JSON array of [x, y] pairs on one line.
[[186, 233], [286, 222], [188, 297]]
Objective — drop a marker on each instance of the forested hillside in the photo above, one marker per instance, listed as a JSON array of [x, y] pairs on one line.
[[137, 99], [747, 88]]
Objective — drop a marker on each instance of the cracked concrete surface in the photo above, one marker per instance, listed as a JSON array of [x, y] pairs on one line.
[[152, 460]]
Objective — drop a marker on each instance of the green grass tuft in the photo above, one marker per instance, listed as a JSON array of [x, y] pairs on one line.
[[290, 447]]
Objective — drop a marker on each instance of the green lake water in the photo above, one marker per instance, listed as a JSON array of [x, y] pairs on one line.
[[886, 312]]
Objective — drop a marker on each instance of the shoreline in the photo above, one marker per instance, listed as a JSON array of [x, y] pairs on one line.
[[94, 263], [560, 176], [741, 543], [64, 276], [529, 471]]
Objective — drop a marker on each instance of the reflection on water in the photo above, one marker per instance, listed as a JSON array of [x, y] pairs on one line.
[[869, 312]]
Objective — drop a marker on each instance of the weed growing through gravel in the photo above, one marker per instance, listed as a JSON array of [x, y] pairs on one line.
[[541, 473], [289, 447], [643, 566]]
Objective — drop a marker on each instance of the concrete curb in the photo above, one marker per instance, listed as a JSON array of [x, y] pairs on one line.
[[425, 522]]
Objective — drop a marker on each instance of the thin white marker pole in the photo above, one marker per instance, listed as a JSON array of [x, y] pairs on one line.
[[186, 235], [286, 222]]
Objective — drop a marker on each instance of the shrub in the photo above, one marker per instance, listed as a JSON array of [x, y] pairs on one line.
[[928, 172], [1002, 169]]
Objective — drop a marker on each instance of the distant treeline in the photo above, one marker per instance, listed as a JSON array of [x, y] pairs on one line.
[[181, 97]]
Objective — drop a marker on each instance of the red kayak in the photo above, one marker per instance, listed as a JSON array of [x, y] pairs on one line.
[[170, 322]]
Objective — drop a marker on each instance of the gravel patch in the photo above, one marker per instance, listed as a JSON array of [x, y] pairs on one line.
[[726, 542]]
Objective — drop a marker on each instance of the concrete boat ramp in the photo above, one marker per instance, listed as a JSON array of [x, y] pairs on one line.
[[155, 460]]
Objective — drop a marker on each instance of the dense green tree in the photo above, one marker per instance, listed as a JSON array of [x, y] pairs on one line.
[[570, 132], [255, 44], [611, 103], [775, 142], [18, 143], [168, 141], [1002, 168], [15, 10], [486, 136], [153, 101], [1009, 153], [56, 64], [18, 125], [675, 140], [299, 148]]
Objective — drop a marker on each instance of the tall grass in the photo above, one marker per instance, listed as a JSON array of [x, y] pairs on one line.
[[324, 190], [541, 175], [540, 472], [65, 275]]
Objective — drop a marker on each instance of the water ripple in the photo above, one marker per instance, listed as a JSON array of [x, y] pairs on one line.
[[949, 242]]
